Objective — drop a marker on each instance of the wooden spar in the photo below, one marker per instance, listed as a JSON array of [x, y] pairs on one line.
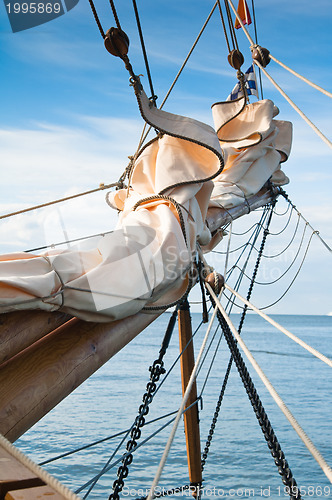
[[38, 378], [41, 375], [191, 419], [20, 329], [219, 217]]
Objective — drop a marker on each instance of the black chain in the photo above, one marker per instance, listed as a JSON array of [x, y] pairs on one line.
[[257, 264], [264, 422], [270, 437], [224, 385], [215, 416], [156, 370]]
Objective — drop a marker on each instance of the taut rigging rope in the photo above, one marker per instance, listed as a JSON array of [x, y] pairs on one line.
[[153, 97], [181, 409], [47, 204], [301, 433], [281, 328], [255, 401], [317, 87], [294, 106], [297, 109]]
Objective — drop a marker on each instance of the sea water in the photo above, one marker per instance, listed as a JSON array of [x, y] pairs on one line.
[[239, 463]]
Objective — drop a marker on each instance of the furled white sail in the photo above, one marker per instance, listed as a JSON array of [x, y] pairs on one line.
[[254, 146], [146, 262]]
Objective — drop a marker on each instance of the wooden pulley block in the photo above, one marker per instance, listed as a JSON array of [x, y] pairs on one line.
[[116, 42], [235, 59], [216, 281], [261, 55]]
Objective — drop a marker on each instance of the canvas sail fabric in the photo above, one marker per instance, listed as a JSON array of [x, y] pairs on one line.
[[147, 260], [254, 146]]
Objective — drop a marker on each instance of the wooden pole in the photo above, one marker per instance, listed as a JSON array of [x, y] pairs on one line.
[[20, 329], [38, 378], [191, 419], [219, 217]]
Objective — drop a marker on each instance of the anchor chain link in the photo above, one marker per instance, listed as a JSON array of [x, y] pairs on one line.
[[230, 363], [263, 420], [156, 370]]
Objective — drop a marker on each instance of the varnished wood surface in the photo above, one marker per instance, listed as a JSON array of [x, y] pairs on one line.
[[14, 475], [37, 493], [20, 329], [38, 378], [191, 420]]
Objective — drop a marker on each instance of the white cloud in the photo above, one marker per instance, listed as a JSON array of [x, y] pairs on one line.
[[48, 162]]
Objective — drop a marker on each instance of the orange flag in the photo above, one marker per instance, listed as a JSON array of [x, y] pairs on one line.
[[243, 11]]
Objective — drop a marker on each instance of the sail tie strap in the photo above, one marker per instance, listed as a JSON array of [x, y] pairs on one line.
[[296, 426], [296, 339], [297, 109], [181, 409]]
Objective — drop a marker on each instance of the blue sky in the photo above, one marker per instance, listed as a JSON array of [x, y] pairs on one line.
[[69, 118]]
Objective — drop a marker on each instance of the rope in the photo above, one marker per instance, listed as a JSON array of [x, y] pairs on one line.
[[285, 195], [224, 26], [253, 236], [288, 268], [156, 370], [281, 328], [112, 465], [228, 247], [153, 96], [95, 15], [317, 87], [256, 40], [115, 15], [296, 426], [99, 441], [289, 244], [38, 471], [241, 23], [231, 27], [24, 210], [183, 64], [262, 418], [296, 275], [127, 432], [53, 245], [297, 109], [181, 409]]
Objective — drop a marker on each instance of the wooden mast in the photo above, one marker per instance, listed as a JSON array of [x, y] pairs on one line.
[[191, 418]]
